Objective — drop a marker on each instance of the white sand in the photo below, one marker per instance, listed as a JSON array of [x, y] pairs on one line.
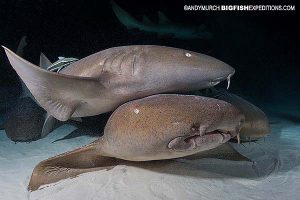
[[275, 174]]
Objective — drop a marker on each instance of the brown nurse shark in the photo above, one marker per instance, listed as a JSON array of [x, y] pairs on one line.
[[158, 127]]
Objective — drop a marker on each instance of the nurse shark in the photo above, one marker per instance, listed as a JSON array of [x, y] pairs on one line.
[[105, 80]]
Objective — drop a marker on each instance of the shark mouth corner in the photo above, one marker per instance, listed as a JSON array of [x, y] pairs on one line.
[[207, 140], [218, 80]]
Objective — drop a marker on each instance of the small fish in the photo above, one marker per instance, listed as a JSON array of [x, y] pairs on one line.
[[61, 64]]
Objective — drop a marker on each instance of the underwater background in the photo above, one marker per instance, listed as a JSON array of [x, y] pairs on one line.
[[263, 47]]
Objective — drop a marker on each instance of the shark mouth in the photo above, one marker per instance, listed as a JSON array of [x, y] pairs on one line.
[[206, 141], [218, 80]]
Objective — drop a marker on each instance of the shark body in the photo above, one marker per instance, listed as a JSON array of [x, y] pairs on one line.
[[103, 81]]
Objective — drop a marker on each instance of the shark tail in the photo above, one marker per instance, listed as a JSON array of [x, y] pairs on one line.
[[71, 164], [44, 62], [124, 17], [59, 94]]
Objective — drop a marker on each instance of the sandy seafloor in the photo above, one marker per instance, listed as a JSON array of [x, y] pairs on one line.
[[275, 173]]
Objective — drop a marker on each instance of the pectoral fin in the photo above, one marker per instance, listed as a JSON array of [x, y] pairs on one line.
[[59, 94]]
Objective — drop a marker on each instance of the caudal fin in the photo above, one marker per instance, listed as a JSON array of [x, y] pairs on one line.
[[70, 164], [60, 95]]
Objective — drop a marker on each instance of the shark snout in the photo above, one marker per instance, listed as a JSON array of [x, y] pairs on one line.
[[228, 74], [213, 69], [222, 73]]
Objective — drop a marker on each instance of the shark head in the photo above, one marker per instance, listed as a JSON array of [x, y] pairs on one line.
[[183, 69]]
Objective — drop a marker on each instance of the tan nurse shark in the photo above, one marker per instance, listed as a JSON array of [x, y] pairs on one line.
[[158, 127], [101, 82]]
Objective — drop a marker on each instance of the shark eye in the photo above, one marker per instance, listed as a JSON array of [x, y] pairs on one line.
[[188, 54]]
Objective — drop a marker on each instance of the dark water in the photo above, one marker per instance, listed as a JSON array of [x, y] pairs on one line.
[[261, 46]]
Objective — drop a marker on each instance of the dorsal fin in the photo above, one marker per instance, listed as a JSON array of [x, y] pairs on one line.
[[22, 45], [59, 94], [44, 61], [162, 19]]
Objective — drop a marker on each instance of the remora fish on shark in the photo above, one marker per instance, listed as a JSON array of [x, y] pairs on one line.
[[102, 81], [135, 132]]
